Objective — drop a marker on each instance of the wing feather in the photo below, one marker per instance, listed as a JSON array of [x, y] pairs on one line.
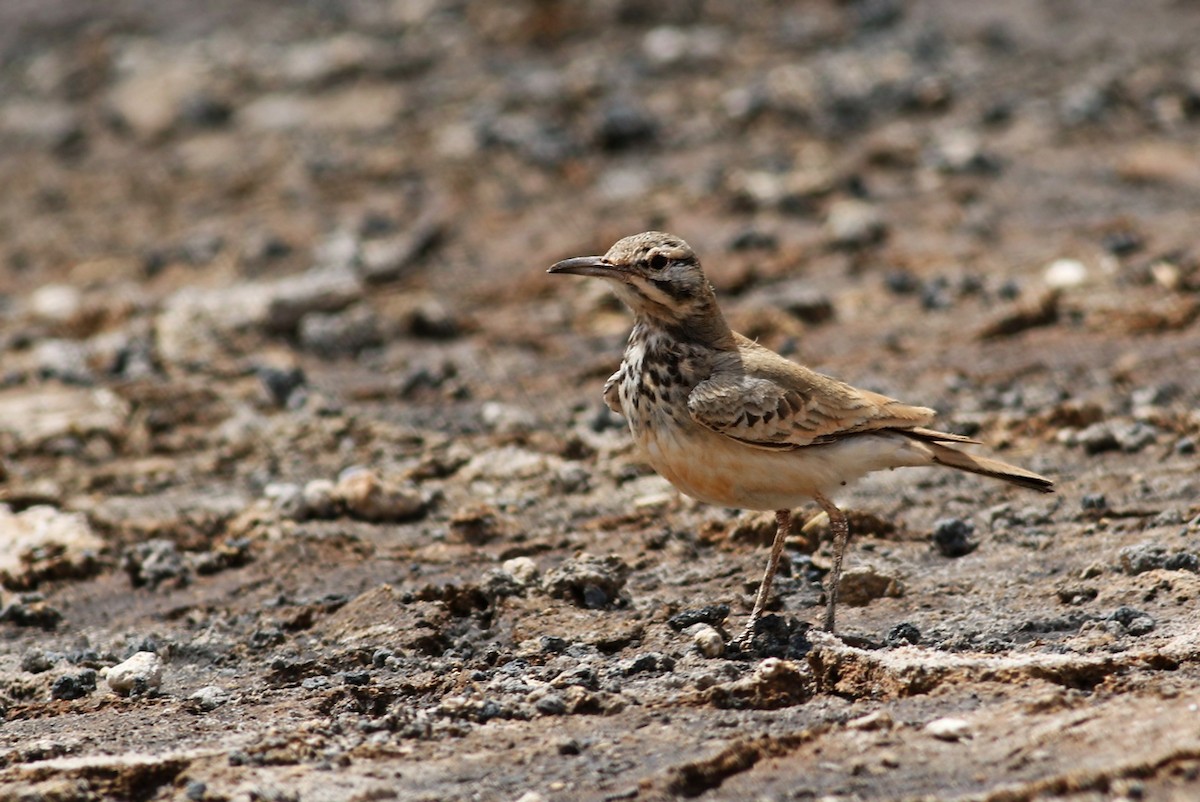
[[762, 399]]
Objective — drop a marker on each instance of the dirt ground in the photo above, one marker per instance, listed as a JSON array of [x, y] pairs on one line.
[[309, 492]]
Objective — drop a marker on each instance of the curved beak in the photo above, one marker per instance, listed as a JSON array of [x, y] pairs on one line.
[[587, 266]]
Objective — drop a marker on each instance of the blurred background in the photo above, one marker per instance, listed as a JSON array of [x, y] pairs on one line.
[[456, 148], [288, 399]]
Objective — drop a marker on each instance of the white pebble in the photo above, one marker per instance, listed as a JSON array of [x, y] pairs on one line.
[[210, 697], [1063, 273], [707, 639], [522, 569], [142, 671], [56, 302], [949, 729]]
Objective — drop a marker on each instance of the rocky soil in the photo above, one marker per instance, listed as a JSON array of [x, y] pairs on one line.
[[308, 492]]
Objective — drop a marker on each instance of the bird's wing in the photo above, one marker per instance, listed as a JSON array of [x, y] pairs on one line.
[[612, 389], [764, 400]]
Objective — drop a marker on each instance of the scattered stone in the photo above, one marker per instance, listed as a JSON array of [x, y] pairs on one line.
[[707, 640], [1150, 557], [903, 634], [74, 686], [57, 127], [623, 125], [798, 299], [370, 497], [1098, 438], [35, 416], [952, 537], [364, 109], [777, 636], [648, 663], [56, 303], [136, 676], [853, 224], [949, 729], [713, 615], [572, 477], [507, 418], [775, 683], [421, 315], [1065, 274], [962, 152], [43, 543], [509, 463], [864, 583], [475, 525], [386, 260], [587, 581], [319, 499], [153, 562], [901, 282], [36, 661], [1133, 436], [318, 290], [281, 382], [149, 101], [1086, 103], [30, 610], [522, 569], [1023, 316], [753, 239], [208, 698], [877, 720], [343, 333], [1134, 621]]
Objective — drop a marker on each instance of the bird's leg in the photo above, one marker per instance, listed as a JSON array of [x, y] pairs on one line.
[[841, 537], [783, 524]]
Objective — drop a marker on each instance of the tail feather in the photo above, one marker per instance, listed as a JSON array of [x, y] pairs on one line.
[[944, 455]]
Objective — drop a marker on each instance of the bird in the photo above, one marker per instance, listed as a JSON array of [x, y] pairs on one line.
[[731, 423]]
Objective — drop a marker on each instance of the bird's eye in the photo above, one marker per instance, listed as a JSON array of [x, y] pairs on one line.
[[657, 261]]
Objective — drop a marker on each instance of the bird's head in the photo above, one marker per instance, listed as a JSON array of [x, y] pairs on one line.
[[657, 275]]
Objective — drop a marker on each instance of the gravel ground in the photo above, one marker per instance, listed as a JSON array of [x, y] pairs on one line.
[[307, 491]]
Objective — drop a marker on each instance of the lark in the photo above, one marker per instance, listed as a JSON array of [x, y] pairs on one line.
[[734, 424]]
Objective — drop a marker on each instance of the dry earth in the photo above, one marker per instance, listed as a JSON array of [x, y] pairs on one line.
[[291, 415]]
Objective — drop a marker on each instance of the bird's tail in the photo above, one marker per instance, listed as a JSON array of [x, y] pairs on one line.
[[944, 455]]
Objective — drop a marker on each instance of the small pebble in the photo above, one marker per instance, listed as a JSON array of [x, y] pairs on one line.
[[1134, 621], [74, 686], [210, 697], [1065, 273], [319, 499], [707, 640], [648, 663], [522, 569], [862, 583], [713, 615], [138, 674], [854, 223], [952, 537], [949, 729], [36, 661], [902, 634], [369, 497], [878, 720]]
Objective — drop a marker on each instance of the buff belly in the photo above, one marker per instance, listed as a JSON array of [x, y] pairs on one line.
[[718, 470]]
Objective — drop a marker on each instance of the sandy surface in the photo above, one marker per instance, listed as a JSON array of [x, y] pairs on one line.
[[290, 410]]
